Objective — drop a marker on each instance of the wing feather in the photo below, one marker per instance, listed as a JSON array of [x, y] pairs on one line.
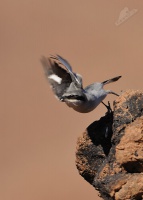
[[58, 77]]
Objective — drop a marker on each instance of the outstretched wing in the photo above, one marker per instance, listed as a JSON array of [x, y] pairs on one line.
[[76, 78], [58, 77]]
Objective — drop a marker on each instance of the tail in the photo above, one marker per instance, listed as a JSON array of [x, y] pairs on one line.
[[111, 80]]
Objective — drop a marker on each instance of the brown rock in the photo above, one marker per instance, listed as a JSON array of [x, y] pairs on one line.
[[129, 152], [110, 152]]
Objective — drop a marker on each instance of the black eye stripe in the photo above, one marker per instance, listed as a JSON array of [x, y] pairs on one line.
[[76, 97], [80, 98]]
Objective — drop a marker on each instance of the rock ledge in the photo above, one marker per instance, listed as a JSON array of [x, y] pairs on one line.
[[110, 152]]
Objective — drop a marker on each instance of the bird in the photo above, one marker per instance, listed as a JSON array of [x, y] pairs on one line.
[[68, 87]]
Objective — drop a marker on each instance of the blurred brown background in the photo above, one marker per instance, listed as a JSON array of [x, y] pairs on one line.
[[38, 134]]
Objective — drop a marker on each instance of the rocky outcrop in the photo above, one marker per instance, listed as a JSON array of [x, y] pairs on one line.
[[110, 152]]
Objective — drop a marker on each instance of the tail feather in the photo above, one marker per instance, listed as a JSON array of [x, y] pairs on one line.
[[111, 80]]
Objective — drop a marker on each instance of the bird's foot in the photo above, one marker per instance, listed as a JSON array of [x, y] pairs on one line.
[[109, 109]]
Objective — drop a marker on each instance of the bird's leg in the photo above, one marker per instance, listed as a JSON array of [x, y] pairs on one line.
[[108, 107], [111, 92]]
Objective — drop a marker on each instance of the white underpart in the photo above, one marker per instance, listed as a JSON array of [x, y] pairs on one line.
[[55, 78]]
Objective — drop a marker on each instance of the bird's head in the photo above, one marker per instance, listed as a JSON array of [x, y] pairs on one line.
[[75, 98]]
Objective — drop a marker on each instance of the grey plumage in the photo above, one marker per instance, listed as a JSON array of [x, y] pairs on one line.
[[68, 87]]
